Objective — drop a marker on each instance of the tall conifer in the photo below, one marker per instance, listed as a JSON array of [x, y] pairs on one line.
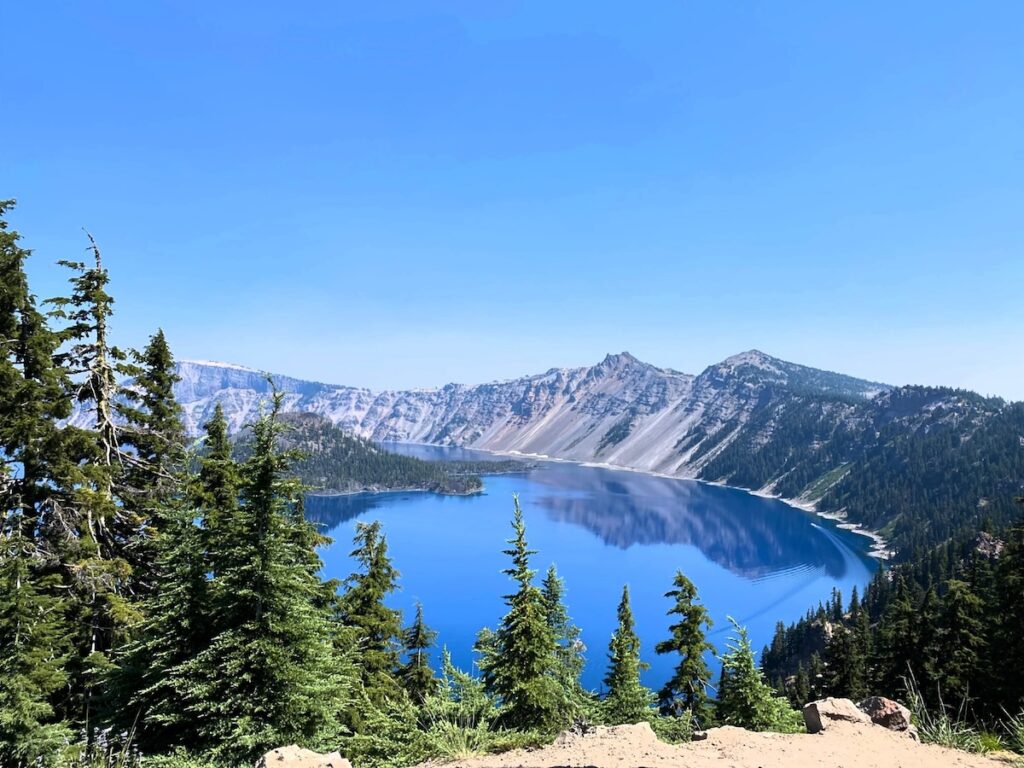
[[377, 627], [519, 660], [268, 676], [569, 644], [686, 690], [416, 674], [627, 700], [33, 645]]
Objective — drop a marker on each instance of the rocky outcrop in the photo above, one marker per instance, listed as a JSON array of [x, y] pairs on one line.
[[887, 713], [819, 715], [294, 756]]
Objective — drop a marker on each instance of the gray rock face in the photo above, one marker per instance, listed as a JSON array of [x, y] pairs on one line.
[[887, 713], [620, 411], [818, 715], [294, 756]]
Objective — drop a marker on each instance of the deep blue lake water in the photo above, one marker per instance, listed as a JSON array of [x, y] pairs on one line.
[[758, 560]]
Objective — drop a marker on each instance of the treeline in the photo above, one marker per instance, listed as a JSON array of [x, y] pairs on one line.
[[921, 465], [161, 602], [947, 629], [330, 460]]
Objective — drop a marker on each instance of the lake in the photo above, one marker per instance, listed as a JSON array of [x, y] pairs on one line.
[[758, 560]]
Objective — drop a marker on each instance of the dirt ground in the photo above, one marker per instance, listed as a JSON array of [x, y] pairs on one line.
[[843, 745]]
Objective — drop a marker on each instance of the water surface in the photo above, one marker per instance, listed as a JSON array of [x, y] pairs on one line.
[[758, 560]]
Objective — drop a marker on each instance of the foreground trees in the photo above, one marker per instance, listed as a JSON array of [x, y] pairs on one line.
[[686, 691], [520, 661]]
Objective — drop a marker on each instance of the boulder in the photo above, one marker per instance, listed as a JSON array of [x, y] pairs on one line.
[[887, 713], [818, 715], [294, 756]]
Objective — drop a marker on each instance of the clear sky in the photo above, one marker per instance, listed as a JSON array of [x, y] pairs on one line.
[[404, 194]]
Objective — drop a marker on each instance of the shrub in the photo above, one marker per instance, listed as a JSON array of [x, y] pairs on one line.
[[744, 697], [673, 729]]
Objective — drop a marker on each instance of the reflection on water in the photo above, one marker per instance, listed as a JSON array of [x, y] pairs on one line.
[[751, 536]]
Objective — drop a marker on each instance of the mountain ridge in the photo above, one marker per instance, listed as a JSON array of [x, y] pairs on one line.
[[846, 447]]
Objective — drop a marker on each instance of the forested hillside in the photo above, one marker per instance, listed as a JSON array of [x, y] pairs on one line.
[[330, 460]]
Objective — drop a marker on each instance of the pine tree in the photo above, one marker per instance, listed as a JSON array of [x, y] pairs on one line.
[[846, 664], [268, 676], [801, 693], [1010, 633], [154, 434], [519, 660], [218, 488], [898, 651], [627, 700], [416, 674], [154, 676], [33, 646], [33, 398], [960, 642], [42, 464], [377, 628], [569, 644], [97, 534], [744, 697], [686, 691]]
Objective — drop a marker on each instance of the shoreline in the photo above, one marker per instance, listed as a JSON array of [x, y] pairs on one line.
[[879, 548]]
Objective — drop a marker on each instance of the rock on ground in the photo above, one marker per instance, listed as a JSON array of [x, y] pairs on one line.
[[819, 715], [887, 713], [294, 756]]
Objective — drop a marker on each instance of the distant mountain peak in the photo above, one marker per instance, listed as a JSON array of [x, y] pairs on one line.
[[215, 364], [756, 358]]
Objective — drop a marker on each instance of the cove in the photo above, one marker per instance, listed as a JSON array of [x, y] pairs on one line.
[[758, 560]]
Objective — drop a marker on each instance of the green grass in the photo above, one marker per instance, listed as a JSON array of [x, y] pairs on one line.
[[1014, 725], [943, 726]]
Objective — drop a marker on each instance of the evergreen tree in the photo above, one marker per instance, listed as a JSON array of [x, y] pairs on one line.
[[155, 676], [37, 473], [628, 700], [846, 664], [801, 694], [960, 642], [98, 535], [744, 697], [1010, 630], [268, 676], [377, 629], [155, 437], [686, 690], [32, 653], [416, 674], [569, 644], [218, 488], [33, 398], [898, 650], [519, 660]]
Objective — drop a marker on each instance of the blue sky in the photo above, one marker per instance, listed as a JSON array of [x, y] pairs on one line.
[[404, 194]]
